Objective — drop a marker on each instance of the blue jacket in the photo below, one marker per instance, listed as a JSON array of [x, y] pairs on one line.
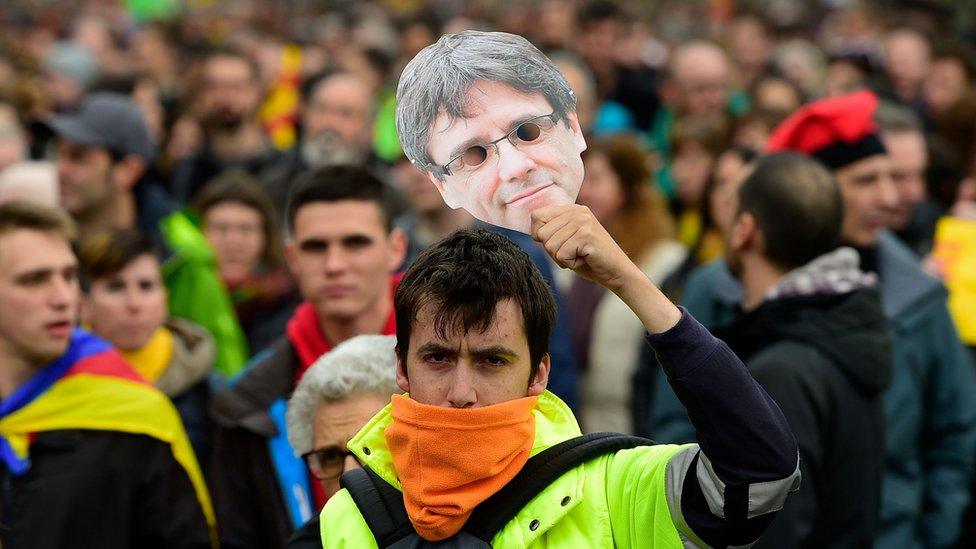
[[562, 377], [930, 405]]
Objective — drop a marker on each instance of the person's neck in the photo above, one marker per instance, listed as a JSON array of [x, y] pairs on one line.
[[868, 255], [372, 321], [239, 144], [443, 222], [16, 371], [758, 277], [119, 213]]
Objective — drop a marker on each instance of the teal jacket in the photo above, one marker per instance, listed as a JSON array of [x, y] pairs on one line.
[[929, 407]]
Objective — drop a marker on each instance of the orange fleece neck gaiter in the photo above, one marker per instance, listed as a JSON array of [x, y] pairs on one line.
[[449, 460]]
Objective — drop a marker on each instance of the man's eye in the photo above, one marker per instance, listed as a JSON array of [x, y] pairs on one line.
[[331, 458], [115, 285], [530, 131], [435, 358], [35, 279], [495, 360], [474, 156]]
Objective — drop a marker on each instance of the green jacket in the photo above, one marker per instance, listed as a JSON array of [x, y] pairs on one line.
[[623, 499], [197, 293]]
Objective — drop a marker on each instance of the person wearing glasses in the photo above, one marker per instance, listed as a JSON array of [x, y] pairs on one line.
[[334, 400], [493, 123]]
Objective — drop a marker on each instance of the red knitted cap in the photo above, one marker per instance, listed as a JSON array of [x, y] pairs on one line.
[[837, 131]]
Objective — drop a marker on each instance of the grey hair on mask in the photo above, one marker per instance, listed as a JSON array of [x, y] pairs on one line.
[[439, 77], [364, 364]]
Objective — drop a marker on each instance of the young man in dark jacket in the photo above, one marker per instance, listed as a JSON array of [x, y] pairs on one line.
[[814, 335], [343, 251], [91, 455]]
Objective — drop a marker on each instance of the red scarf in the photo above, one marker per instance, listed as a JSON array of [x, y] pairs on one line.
[[306, 337]]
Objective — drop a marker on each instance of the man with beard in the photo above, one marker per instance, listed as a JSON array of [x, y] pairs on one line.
[[104, 150], [337, 128], [228, 98]]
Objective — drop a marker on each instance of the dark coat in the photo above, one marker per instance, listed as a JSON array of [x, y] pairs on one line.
[[309, 536], [826, 360], [100, 489], [929, 408], [250, 508]]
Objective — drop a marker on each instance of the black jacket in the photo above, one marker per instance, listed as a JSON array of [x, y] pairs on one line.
[[100, 489], [247, 497], [825, 360]]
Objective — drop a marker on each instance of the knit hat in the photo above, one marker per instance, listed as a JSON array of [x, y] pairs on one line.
[[837, 131]]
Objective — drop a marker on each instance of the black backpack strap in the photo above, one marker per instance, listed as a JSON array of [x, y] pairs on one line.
[[380, 504], [538, 473]]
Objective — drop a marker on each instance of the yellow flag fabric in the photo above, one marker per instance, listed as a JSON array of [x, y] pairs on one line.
[[92, 387], [955, 253]]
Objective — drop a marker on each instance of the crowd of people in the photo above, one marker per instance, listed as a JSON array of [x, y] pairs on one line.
[[227, 250]]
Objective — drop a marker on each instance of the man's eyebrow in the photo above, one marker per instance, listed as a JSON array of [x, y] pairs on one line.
[[434, 347], [312, 244], [41, 271], [494, 350]]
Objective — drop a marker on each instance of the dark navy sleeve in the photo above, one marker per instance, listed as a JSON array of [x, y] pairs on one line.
[[728, 486]]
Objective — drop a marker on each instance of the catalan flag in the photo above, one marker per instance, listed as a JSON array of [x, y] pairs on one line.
[[91, 387]]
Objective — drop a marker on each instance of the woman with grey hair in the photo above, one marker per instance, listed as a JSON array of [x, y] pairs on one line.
[[337, 396]]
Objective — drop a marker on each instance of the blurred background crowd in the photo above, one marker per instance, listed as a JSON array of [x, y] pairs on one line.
[[212, 110]]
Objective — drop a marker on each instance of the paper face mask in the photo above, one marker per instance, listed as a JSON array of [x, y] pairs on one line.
[[510, 147]]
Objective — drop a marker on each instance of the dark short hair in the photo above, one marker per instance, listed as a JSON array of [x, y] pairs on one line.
[[465, 276], [598, 11], [797, 205], [239, 186], [104, 253], [335, 183]]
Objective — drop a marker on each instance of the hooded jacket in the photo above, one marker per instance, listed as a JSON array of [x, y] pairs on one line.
[[929, 406], [826, 360]]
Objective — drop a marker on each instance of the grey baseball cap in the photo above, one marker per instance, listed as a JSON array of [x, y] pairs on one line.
[[107, 120]]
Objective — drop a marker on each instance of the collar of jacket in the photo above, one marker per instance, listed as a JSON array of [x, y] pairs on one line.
[[554, 423], [193, 357], [905, 287], [246, 400], [906, 290]]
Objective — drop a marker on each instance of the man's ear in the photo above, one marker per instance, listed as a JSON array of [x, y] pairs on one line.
[[401, 375], [398, 248], [291, 251], [446, 193], [744, 232], [127, 171], [541, 380], [574, 127]]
